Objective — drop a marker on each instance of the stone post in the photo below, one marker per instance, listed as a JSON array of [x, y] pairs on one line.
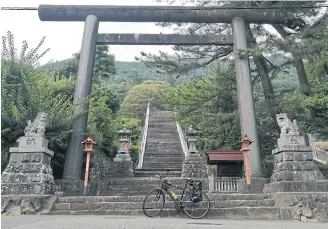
[[74, 155], [245, 94]]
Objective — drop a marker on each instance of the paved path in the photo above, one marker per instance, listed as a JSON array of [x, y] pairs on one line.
[[141, 222]]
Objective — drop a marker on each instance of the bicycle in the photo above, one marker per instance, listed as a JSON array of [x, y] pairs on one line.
[[192, 196]]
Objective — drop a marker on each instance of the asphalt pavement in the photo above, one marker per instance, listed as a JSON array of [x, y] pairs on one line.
[[142, 222]]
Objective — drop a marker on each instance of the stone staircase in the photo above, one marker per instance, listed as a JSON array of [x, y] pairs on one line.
[[163, 152], [227, 206], [132, 186]]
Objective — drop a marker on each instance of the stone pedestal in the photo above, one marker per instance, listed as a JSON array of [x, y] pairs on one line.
[[257, 185], [308, 206], [122, 169], [28, 171], [122, 157], [295, 171], [194, 166], [297, 185]]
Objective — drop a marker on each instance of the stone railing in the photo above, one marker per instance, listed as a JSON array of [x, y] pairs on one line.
[[223, 184], [144, 139], [320, 156], [182, 139]]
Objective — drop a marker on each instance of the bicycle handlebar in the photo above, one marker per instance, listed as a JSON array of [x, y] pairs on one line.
[[162, 175]]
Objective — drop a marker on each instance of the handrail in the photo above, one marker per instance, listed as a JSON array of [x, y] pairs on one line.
[[182, 140], [144, 139], [320, 156]]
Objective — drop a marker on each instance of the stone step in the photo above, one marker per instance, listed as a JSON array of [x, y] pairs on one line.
[[168, 204], [161, 120], [148, 167], [159, 155], [167, 148], [163, 151], [163, 134], [161, 163], [163, 142], [258, 213], [168, 162], [166, 125], [237, 196], [138, 181], [158, 170], [162, 129], [156, 165], [153, 165], [152, 173], [169, 157], [164, 158], [155, 146], [220, 197]]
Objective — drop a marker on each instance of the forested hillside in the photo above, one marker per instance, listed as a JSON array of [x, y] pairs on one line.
[[289, 71]]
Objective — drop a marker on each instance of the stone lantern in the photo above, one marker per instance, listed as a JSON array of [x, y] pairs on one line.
[[123, 153], [194, 164], [192, 139]]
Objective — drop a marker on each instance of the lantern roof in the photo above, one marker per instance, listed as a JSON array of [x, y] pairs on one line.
[[124, 130], [246, 139], [88, 140], [191, 131]]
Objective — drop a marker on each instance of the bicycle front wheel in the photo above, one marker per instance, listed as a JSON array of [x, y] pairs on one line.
[[196, 210], [153, 203]]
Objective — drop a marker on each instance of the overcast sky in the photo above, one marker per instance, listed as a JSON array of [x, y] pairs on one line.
[[64, 38]]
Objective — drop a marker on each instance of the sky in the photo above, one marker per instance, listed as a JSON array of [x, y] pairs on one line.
[[64, 38]]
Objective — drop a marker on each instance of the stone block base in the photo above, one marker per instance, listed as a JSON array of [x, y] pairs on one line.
[[69, 187], [122, 169], [302, 206], [29, 204], [194, 167], [297, 186], [27, 189], [122, 157], [257, 185]]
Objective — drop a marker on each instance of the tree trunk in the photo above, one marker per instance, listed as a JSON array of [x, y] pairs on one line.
[[298, 63], [263, 72]]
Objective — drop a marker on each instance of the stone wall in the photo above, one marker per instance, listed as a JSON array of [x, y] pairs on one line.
[[18, 205], [102, 166], [302, 206]]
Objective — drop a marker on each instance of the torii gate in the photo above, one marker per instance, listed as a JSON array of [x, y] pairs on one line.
[[92, 15]]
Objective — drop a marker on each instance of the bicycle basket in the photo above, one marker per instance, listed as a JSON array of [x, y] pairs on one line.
[[197, 191]]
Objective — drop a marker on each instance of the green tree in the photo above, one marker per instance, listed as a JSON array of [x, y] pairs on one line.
[[104, 65], [137, 98], [25, 95]]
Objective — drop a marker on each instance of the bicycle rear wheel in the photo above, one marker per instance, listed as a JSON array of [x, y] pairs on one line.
[[153, 203], [196, 210]]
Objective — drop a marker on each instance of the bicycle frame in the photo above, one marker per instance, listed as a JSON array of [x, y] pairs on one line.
[[178, 205]]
